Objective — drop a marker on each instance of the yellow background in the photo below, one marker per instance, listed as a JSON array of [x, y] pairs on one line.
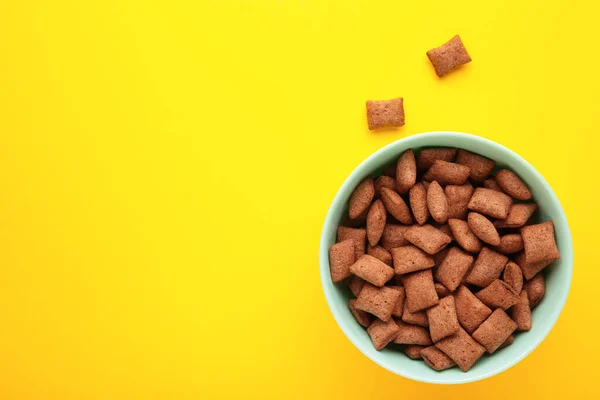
[[166, 167]]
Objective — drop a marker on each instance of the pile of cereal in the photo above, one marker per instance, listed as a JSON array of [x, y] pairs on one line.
[[440, 256]]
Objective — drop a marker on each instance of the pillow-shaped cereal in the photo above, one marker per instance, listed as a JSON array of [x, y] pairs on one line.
[[418, 203], [462, 349], [361, 198], [385, 113], [382, 332], [498, 295], [420, 292], [458, 197], [412, 334], [393, 236], [376, 218], [410, 259], [396, 206], [494, 331], [372, 270], [437, 203], [406, 171], [427, 238], [490, 202], [448, 56], [480, 166], [471, 312], [341, 257], [377, 301], [512, 185], [447, 173], [436, 359]]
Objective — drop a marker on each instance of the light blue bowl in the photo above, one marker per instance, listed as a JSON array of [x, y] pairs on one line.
[[558, 274]]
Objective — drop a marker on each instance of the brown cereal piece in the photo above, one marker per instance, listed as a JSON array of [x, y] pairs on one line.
[[417, 318], [412, 334], [438, 257], [410, 259], [341, 257], [512, 185], [513, 277], [372, 270], [420, 292], [436, 359], [539, 243], [399, 307], [464, 236], [448, 56], [413, 351], [480, 166], [521, 313], [361, 198], [507, 342], [418, 203], [358, 235], [510, 244], [483, 228], [487, 268], [385, 113], [355, 284], [443, 321], [384, 181], [441, 290], [377, 301], [498, 295], [437, 203], [495, 330], [362, 317], [396, 206], [428, 156], [462, 349], [454, 268], [393, 236], [376, 222], [530, 269], [535, 289], [490, 202], [406, 171], [382, 332], [518, 215], [427, 238], [471, 312], [380, 253], [425, 185], [447, 173], [492, 184], [458, 197]]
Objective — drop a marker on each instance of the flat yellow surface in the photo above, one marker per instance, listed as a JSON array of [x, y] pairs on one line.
[[166, 167]]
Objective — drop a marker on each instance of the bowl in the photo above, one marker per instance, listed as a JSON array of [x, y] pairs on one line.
[[558, 274]]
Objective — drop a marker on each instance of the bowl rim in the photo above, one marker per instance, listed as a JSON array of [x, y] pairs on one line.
[[407, 143]]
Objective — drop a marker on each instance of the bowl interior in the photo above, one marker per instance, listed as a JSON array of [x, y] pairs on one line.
[[558, 274]]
